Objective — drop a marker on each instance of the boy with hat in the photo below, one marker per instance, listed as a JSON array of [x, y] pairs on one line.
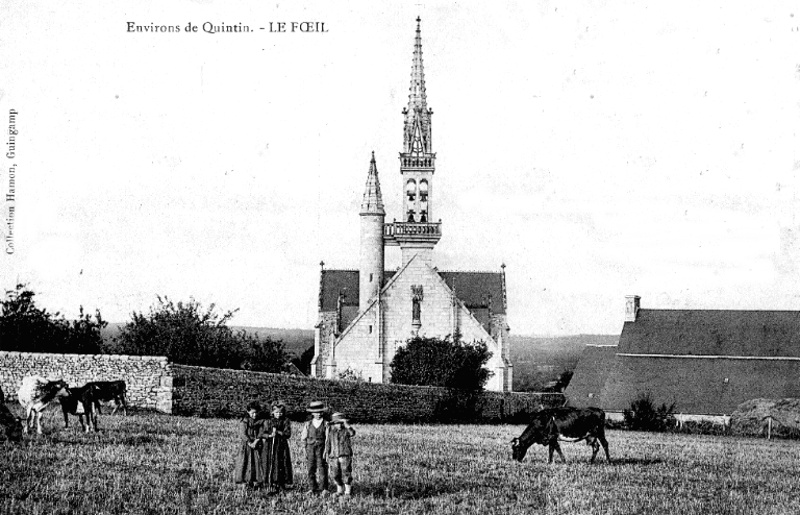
[[313, 436], [339, 452]]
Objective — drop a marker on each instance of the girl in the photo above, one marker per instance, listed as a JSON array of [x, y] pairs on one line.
[[247, 465], [276, 458]]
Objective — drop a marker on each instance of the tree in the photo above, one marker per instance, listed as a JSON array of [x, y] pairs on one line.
[[303, 363], [444, 361], [28, 328], [187, 333]]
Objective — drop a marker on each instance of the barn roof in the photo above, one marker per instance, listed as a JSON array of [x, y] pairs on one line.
[[712, 332], [474, 289], [585, 387], [704, 361]]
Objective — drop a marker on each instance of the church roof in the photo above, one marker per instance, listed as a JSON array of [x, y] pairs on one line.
[[474, 289]]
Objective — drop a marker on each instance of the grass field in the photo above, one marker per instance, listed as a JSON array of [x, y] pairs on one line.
[[163, 464]]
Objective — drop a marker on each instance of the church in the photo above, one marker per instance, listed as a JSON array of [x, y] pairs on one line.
[[365, 315]]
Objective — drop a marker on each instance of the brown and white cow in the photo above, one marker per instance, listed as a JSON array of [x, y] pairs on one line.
[[566, 424], [34, 395]]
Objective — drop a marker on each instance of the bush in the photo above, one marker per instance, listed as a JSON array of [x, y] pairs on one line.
[[644, 415], [447, 362]]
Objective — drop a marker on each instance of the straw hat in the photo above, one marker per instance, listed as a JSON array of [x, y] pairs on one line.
[[316, 407]]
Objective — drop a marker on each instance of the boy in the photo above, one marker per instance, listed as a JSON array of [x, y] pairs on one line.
[[313, 436], [339, 452]]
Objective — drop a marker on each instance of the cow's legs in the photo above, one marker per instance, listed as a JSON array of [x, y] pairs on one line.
[[595, 448], [28, 420], [37, 415], [555, 447], [604, 442]]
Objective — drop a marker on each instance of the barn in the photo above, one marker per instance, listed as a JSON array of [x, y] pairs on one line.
[[707, 362]]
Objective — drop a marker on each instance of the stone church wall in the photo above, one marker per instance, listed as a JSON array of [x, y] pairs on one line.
[[148, 378], [209, 392]]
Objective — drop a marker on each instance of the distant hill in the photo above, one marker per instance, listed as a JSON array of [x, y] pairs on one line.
[[539, 360], [295, 341]]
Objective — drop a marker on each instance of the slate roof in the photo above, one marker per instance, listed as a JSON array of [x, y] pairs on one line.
[[473, 288], [586, 386], [704, 361], [712, 332]]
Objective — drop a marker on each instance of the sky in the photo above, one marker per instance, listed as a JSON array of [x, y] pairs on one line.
[[597, 149]]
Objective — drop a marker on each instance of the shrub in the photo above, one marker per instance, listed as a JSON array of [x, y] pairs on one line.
[[447, 362], [644, 415]]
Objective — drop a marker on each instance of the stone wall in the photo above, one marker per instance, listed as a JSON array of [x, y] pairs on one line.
[[210, 392], [148, 378]]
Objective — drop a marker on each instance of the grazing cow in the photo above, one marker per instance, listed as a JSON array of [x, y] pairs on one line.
[[566, 424], [107, 391], [34, 395], [9, 422], [80, 402]]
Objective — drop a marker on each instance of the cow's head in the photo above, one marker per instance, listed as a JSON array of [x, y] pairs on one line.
[[518, 450], [58, 388]]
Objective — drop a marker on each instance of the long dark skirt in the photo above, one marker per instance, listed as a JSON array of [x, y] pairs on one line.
[[248, 465], [277, 462]]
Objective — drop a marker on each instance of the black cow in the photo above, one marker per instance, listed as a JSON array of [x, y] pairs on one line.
[[11, 424], [569, 424], [107, 391], [80, 402]]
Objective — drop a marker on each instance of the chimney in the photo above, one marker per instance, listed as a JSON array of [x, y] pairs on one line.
[[631, 307]]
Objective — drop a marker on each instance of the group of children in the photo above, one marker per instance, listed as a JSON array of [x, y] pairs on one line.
[[264, 458]]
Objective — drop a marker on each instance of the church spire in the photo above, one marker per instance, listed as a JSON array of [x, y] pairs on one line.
[[417, 133], [373, 201]]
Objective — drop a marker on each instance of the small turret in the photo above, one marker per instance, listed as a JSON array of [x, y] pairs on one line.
[[370, 276]]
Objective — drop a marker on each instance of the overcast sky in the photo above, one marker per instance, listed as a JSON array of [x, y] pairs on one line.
[[598, 149]]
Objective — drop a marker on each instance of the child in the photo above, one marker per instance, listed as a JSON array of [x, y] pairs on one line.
[[339, 452], [313, 437], [247, 465], [276, 458]]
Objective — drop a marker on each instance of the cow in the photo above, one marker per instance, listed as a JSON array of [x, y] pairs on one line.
[[11, 424], [566, 424], [34, 394], [107, 391], [80, 402]]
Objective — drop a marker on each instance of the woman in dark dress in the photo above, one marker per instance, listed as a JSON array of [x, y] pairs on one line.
[[276, 459], [248, 463]]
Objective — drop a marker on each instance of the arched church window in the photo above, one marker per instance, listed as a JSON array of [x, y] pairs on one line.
[[423, 190], [411, 189]]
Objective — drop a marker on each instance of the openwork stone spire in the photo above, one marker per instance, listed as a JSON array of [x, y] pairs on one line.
[[417, 132], [373, 201]]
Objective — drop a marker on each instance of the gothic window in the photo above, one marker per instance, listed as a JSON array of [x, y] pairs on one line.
[[423, 190], [411, 215], [411, 189]]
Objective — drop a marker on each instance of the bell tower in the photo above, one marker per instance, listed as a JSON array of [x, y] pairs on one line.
[[416, 233]]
